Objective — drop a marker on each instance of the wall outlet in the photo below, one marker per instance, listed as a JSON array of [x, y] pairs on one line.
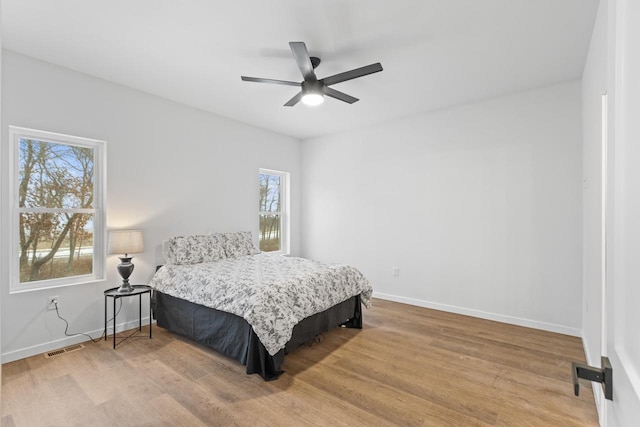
[[51, 302], [396, 271]]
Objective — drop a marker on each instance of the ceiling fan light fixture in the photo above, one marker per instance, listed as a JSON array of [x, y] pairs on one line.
[[312, 92], [312, 98]]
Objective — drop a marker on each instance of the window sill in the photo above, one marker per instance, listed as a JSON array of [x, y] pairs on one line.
[[283, 253], [16, 290]]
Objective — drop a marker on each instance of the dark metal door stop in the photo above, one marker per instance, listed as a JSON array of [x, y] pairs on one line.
[[602, 375]]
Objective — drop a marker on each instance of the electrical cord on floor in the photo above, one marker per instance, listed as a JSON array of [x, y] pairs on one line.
[[66, 328]]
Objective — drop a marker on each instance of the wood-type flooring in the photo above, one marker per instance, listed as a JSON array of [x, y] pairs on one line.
[[408, 366]]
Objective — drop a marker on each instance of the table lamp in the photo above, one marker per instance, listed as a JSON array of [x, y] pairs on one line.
[[125, 242]]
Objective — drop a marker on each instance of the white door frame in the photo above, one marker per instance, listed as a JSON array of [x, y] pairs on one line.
[[620, 316], [603, 249]]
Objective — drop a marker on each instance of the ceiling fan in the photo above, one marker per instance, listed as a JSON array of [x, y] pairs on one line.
[[313, 90]]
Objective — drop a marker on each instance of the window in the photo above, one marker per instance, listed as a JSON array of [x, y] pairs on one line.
[[274, 211], [58, 221]]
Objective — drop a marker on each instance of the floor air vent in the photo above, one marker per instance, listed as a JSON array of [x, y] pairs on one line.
[[62, 351]]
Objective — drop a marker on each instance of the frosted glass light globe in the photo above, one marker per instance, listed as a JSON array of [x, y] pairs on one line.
[[313, 99]]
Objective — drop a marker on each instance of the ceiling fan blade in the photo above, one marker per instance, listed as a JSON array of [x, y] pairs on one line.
[[261, 80], [340, 95], [293, 101], [301, 55], [353, 74]]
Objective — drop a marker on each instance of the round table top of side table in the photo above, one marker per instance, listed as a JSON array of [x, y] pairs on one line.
[[137, 290]]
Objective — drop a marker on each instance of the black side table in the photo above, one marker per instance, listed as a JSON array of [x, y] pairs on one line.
[[113, 293]]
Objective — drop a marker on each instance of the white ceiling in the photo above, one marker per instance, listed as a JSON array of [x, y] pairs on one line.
[[435, 53]]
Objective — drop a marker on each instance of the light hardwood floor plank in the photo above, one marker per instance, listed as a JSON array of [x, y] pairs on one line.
[[408, 366]]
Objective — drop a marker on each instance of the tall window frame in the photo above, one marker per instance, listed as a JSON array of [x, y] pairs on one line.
[[265, 241], [96, 212]]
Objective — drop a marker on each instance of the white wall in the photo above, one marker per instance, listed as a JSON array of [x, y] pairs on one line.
[[171, 170], [479, 206]]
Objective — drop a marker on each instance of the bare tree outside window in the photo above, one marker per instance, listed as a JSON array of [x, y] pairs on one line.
[[56, 210], [270, 212]]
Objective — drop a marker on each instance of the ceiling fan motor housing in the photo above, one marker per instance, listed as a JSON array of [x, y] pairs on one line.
[[312, 86]]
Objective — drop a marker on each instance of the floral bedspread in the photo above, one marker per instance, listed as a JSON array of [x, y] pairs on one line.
[[271, 292]]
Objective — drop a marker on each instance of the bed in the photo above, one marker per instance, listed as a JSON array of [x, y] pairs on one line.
[[221, 291]]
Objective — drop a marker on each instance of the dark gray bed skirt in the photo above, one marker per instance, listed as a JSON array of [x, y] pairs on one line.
[[233, 336]]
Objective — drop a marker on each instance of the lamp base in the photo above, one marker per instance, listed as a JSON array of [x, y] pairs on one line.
[[125, 268], [125, 288]]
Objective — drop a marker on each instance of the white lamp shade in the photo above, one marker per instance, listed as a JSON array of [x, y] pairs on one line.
[[125, 242]]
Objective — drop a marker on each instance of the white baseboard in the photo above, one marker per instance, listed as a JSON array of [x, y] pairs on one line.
[[66, 341], [483, 314]]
